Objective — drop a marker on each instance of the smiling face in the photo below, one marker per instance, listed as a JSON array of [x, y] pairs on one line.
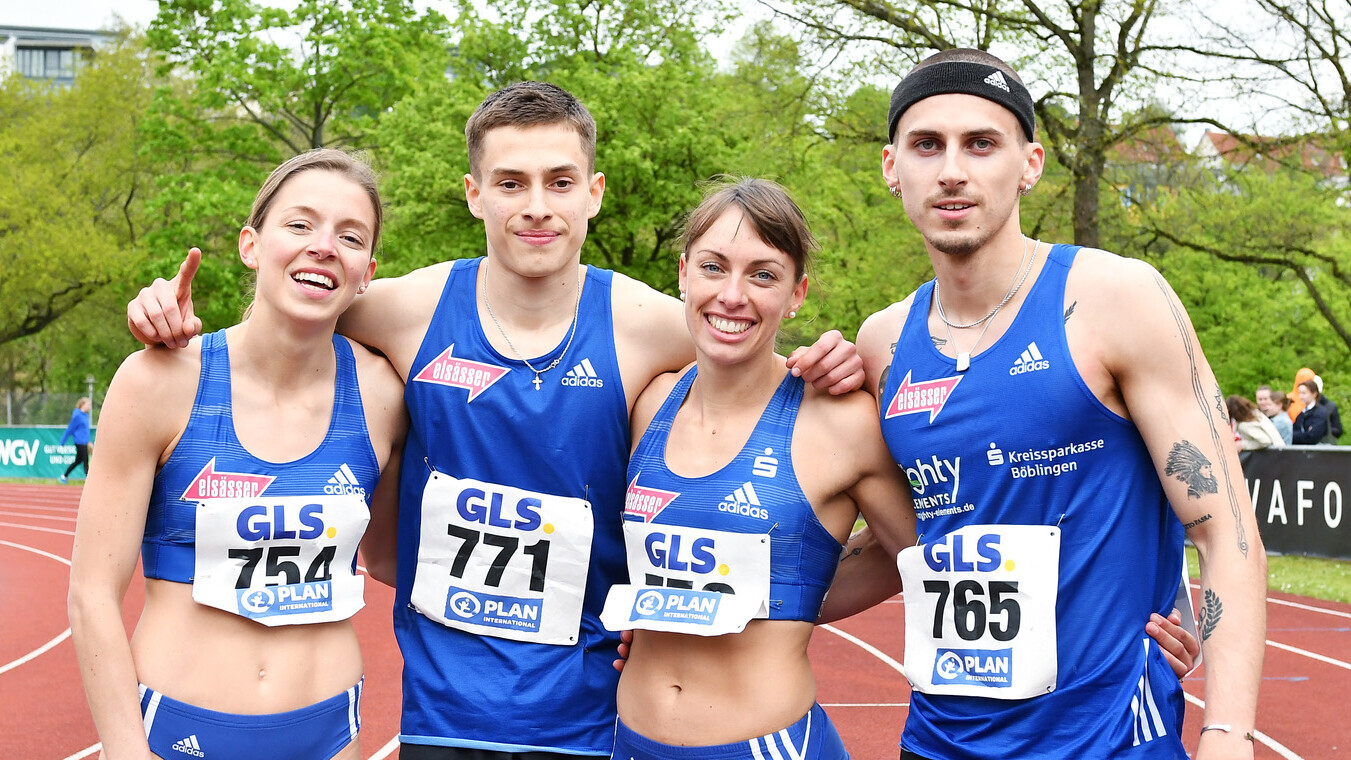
[[737, 290], [535, 193], [312, 250], [959, 162], [1266, 404]]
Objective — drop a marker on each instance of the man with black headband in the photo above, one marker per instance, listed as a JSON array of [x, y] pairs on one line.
[[1051, 528]]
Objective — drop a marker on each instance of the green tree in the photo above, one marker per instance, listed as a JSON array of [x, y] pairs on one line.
[[70, 208], [642, 72], [253, 85]]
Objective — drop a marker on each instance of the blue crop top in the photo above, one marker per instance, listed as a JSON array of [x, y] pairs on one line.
[[757, 492], [209, 462]]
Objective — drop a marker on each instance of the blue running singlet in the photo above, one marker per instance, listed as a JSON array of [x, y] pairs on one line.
[[510, 533], [209, 462], [1008, 458], [756, 493]]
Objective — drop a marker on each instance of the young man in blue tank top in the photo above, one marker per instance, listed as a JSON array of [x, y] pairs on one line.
[[1020, 391], [520, 380]]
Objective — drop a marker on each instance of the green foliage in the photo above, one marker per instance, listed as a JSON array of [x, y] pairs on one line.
[[254, 86], [641, 72], [70, 215]]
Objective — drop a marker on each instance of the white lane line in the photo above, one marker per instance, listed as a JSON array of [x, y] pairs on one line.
[[1298, 605], [38, 517], [1275, 746], [60, 637], [865, 646], [1312, 655], [37, 528], [35, 507], [386, 750], [86, 752]]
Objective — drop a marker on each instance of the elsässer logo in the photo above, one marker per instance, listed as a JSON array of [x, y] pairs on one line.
[[646, 503], [475, 377], [925, 396], [209, 484]]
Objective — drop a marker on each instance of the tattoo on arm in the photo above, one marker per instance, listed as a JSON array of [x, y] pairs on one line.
[[1070, 311], [938, 342], [1209, 614], [1189, 465], [1196, 522], [854, 552], [1197, 391], [1220, 406]]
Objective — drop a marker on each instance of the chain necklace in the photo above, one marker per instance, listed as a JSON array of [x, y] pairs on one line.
[[964, 358], [572, 332], [1012, 289]]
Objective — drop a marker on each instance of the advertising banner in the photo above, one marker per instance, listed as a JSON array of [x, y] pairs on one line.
[[36, 452], [1299, 494]]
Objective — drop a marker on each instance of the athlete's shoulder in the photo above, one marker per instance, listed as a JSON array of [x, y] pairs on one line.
[[637, 300], [877, 339], [885, 325], [1110, 272], [844, 416], [650, 400]]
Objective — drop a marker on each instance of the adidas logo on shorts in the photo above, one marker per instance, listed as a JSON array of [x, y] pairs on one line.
[[344, 481], [743, 501], [189, 746], [997, 79], [583, 374]]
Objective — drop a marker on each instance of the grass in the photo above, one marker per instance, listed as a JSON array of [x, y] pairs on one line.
[[1319, 578]]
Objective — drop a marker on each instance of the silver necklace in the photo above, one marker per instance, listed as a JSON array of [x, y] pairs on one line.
[[572, 332], [964, 358], [1012, 289]]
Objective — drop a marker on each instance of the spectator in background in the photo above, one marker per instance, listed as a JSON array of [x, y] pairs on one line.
[[78, 429], [1311, 426], [1273, 405], [1254, 429], [1334, 416], [1296, 406]]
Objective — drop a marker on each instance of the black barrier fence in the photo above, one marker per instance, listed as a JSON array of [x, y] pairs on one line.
[[1299, 494]]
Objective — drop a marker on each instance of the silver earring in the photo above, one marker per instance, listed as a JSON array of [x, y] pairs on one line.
[[895, 192], [361, 290], [1025, 191], [792, 314], [682, 295]]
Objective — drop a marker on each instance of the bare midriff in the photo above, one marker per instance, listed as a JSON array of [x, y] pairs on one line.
[[219, 661], [690, 690]]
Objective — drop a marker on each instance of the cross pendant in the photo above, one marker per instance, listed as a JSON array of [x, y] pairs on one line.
[[963, 361], [536, 381]]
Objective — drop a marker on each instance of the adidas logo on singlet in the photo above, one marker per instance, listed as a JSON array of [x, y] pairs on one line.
[[1029, 361], [743, 501], [189, 746], [344, 481], [583, 374], [997, 79]]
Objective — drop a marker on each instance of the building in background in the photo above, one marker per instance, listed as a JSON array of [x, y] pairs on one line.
[[49, 54]]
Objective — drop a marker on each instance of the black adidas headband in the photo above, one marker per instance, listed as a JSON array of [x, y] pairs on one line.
[[964, 78]]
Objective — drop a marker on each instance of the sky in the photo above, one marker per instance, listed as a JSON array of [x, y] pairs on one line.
[[78, 14]]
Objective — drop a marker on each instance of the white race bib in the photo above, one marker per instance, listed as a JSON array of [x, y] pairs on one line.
[[502, 561], [281, 560], [980, 611], [690, 580]]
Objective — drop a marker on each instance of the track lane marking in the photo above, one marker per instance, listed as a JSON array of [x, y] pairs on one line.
[[38, 528], [1271, 743], [61, 636]]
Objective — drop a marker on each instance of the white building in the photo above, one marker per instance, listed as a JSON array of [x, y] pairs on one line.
[[47, 53]]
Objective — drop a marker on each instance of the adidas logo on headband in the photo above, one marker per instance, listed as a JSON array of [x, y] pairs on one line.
[[997, 79]]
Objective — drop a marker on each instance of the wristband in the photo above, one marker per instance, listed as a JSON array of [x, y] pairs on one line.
[[1225, 727]]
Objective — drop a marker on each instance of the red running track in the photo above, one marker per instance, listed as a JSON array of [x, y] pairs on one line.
[[1301, 714]]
